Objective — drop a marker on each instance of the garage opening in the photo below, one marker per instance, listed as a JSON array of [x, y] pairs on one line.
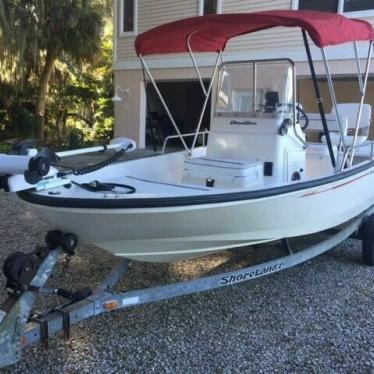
[[347, 91], [185, 100]]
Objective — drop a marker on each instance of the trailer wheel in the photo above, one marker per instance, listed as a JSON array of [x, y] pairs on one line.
[[70, 243], [54, 238], [358, 235], [367, 232]]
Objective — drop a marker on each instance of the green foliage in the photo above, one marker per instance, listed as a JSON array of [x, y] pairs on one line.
[[32, 28], [23, 122], [17, 121], [77, 103], [75, 138], [5, 148]]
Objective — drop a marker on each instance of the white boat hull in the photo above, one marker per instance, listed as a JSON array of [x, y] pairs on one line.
[[171, 233]]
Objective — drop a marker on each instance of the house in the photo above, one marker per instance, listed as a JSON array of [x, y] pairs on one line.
[[178, 81]]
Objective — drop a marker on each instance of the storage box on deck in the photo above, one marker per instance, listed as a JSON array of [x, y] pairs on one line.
[[222, 173]]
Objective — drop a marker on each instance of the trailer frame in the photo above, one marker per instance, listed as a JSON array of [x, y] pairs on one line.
[[18, 329]]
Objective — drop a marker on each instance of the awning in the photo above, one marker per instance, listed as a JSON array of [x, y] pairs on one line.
[[212, 32]]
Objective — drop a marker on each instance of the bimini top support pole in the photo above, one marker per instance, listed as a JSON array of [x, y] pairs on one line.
[[358, 64], [206, 101], [363, 92], [195, 65], [334, 101], [164, 104], [319, 99]]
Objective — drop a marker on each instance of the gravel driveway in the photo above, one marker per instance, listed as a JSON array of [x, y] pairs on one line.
[[317, 317]]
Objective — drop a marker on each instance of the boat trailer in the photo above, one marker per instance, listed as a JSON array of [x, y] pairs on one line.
[[27, 274]]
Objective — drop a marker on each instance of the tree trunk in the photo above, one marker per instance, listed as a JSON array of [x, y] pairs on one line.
[[43, 91], [60, 123]]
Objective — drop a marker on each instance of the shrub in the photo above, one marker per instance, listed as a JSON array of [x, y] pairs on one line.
[[75, 138]]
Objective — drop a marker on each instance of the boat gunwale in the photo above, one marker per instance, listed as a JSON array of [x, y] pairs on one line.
[[175, 201]]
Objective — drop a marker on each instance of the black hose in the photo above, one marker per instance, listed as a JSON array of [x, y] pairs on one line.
[[97, 186], [99, 165], [91, 168]]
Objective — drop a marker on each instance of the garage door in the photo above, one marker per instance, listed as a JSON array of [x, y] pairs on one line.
[[185, 101]]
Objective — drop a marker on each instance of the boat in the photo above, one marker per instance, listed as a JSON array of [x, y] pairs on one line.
[[255, 180]]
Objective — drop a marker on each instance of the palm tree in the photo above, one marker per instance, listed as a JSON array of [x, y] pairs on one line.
[[35, 33]]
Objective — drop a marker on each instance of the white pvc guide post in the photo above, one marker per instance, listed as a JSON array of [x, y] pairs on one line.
[[164, 104]]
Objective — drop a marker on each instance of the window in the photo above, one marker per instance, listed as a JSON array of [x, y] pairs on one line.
[[210, 7], [323, 5], [350, 8], [236, 96], [243, 100], [128, 17], [358, 5]]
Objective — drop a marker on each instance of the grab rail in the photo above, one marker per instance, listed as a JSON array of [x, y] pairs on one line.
[[203, 133], [369, 143]]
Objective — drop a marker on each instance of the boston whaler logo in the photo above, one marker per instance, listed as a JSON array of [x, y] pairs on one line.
[[236, 278], [249, 123]]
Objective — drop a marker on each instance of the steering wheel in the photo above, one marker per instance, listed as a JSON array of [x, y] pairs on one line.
[[302, 116]]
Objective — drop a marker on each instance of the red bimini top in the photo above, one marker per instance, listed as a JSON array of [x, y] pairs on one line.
[[211, 33]]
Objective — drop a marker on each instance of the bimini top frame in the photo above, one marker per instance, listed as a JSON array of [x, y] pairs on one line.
[[212, 32]]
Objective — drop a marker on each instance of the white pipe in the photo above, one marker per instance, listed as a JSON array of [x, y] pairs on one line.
[[18, 164], [205, 102], [81, 151], [359, 73], [361, 103], [164, 104], [333, 96], [118, 143], [335, 104], [195, 66], [14, 164]]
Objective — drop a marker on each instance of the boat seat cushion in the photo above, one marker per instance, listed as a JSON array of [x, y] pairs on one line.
[[348, 139], [349, 113], [222, 173]]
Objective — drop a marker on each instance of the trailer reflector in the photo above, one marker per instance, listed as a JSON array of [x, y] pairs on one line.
[[111, 305]]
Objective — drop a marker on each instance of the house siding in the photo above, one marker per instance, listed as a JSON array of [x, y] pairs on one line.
[[272, 43], [156, 12], [279, 38], [150, 14]]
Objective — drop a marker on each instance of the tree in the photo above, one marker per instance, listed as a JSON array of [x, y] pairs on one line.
[[35, 33], [80, 96]]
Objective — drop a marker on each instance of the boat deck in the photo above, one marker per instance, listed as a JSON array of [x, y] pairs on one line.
[[161, 176]]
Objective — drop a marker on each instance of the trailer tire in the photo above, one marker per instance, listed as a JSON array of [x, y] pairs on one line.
[[54, 238], [367, 232], [70, 243], [358, 234]]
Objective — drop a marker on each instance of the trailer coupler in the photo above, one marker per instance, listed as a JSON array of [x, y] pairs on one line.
[[26, 274]]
